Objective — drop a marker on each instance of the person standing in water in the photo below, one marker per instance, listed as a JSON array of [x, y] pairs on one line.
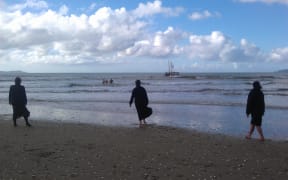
[[255, 107], [18, 100], [141, 102]]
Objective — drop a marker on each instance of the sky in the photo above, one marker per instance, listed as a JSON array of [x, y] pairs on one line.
[[142, 36]]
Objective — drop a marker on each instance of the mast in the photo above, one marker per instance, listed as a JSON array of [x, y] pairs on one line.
[[171, 71], [172, 67]]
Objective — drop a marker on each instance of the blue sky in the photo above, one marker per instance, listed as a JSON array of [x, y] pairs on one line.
[[141, 36]]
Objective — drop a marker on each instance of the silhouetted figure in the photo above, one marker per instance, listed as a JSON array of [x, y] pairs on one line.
[[18, 100], [111, 81], [141, 102], [106, 81], [255, 107]]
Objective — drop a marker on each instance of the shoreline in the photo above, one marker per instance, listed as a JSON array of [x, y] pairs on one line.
[[57, 150], [229, 121]]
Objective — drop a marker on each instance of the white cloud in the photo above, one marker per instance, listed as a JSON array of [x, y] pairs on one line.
[[107, 35], [279, 55], [218, 47], [162, 44], [245, 52], [55, 37], [203, 15], [207, 47], [104, 32], [33, 4], [266, 1], [152, 8]]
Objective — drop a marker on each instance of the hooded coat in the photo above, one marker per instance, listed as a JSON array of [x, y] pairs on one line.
[[255, 103], [18, 99], [140, 98]]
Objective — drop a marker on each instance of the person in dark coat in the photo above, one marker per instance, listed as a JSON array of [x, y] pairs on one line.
[[255, 107], [140, 98], [18, 100]]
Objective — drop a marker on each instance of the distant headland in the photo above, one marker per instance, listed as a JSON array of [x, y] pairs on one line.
[[12, 72], [283, 71]]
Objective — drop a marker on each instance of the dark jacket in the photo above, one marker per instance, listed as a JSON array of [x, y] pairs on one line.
[[140, 96], [17, 95], [255, 103]]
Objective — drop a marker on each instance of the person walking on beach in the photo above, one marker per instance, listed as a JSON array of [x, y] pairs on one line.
[[255, 107], [18, 100], [141, 102]]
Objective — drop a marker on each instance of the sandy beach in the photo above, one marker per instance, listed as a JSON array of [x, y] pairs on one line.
[[82, 151]]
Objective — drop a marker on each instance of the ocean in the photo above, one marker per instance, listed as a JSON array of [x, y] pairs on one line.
[[206, 102]]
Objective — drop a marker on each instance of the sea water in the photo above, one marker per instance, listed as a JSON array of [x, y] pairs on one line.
[[207, 102]]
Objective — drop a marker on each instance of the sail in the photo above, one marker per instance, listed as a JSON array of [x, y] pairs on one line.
[[171, 72]]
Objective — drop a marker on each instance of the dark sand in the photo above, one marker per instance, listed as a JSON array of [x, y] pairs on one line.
[[78, 151]]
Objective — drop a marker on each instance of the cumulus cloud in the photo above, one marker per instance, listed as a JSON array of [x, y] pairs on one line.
[[107, 35], [245, 52], [152, 8], [207, 47], [54, 36], [266, 1], [161, 44], [279, 55], [203, 15], [34, 4], [218, 47]]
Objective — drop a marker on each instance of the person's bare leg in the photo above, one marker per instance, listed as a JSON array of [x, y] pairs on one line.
[[140, 124], [260, 131], [252, 127]]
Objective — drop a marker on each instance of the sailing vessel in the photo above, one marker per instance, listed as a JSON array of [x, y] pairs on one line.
[[171, 72]]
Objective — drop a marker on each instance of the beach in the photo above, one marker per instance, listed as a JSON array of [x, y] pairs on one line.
[[205, 102], [51, 150]]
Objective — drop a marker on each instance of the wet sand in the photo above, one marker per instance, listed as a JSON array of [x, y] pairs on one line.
[[81, 151]]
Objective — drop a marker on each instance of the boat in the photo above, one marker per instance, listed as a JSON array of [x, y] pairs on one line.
[[171, 72]]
